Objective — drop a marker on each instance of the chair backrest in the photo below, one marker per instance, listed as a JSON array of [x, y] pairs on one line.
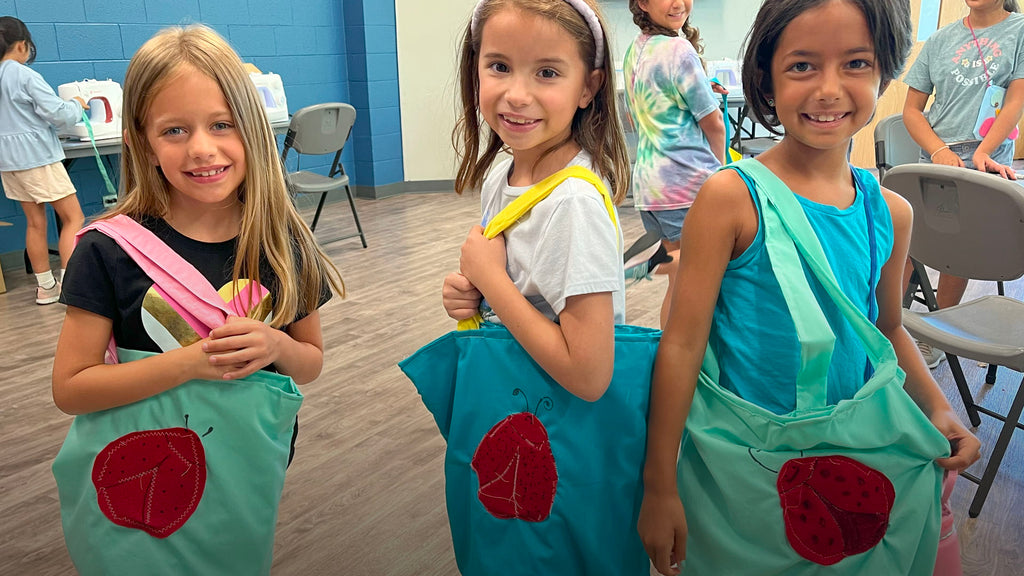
[[966, 223], [893, 144], [320, 128]]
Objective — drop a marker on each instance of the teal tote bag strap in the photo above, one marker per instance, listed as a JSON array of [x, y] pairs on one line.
[[814, 334], [782, 208]]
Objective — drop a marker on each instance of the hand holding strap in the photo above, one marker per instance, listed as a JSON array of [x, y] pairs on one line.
[[519, 207]]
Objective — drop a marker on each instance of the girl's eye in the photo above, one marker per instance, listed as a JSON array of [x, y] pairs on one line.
[[499, 67], [222, 126], [800, 67], [173, 132], [859, 64], [548, 73]]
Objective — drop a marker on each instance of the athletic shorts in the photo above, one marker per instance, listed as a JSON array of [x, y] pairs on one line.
[[43, 184]]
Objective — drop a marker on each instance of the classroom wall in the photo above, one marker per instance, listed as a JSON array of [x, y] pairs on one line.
[[305, 42], [429, 34]]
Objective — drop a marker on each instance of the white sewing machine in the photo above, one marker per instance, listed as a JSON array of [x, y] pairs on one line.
[[104, 98], [271, 93]]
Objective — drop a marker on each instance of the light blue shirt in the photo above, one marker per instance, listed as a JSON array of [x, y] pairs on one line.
[[29, 113]]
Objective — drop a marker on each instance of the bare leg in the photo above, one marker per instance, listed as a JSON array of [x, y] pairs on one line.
[[71, 219], [951, 290], [35, 236], [669, 269]]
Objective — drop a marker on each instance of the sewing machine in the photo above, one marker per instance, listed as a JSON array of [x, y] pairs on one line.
[[104, 98], [271, 93]]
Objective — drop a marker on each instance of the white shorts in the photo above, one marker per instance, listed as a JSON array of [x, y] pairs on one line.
[[43, 184]]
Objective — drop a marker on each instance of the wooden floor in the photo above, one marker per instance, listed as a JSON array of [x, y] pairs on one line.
[[364, 495]]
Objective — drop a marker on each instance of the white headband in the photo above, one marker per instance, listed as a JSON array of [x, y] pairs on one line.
[[580, 6]]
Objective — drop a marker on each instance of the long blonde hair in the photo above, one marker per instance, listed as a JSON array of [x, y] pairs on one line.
[[595, 128], [270, 228]]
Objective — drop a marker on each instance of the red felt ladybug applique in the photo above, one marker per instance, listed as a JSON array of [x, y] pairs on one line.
[[516, 468], [833, 507], [151, 480]]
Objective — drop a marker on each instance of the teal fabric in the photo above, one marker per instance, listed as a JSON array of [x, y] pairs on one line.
[[733, 450], [762, 368], [468, 380], [232, 529]]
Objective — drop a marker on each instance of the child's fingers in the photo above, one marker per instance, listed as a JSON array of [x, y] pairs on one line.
[[663, 561]]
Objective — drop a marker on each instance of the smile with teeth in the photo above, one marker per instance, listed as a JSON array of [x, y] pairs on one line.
[[826, 117], [209, 172], [519, 121]]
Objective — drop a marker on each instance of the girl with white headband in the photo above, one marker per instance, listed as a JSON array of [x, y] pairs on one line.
[[539, 75]]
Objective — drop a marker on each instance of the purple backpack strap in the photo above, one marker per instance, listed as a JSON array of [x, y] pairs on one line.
[[172, 275]]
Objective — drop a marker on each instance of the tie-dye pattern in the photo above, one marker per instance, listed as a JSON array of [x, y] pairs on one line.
[[668, 94]]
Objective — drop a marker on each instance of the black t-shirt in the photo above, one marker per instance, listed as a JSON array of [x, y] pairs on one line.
[[103, 279]]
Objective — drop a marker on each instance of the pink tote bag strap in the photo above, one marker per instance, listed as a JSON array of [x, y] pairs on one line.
[[175, 277]]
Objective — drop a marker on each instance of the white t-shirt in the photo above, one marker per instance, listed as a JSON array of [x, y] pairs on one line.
[[565, 246]]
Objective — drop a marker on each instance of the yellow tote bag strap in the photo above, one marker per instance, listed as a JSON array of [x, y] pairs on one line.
[[516, 209]]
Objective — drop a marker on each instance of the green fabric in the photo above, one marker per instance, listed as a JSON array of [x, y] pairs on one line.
[[733, 450], [232, 528]]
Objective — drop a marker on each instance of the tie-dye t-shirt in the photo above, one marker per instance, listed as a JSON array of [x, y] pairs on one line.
[[668, 93], [950, 64]]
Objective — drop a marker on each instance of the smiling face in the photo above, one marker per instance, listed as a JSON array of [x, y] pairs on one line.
[[824, 76], [530, 90], [193, 139], [671, 14]]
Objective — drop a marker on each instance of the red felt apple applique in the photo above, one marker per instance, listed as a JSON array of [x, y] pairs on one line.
[[151, 480], [833, 506], [516, 468]]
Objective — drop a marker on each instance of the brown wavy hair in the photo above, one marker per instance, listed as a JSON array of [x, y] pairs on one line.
[[271, 227], [643, 21], [595, 128]]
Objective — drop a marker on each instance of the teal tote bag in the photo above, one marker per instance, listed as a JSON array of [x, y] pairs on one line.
[[187, 481], [850, 488], [538, 481]]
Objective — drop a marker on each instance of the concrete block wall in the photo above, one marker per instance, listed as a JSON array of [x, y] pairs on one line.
[[372, 47], [307, 43]]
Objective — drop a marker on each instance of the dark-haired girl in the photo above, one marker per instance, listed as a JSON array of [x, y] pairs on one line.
[[31, 155], [815, 68]]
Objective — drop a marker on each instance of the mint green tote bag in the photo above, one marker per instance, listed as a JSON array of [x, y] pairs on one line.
[[850, 488], [187, 481]]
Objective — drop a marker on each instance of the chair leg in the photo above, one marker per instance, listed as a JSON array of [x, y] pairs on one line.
[[319, 209], [355, 215], [965, 391], [1009, 425], [990, 376]]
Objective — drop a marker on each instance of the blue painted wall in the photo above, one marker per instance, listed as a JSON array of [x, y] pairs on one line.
[[324, 50]]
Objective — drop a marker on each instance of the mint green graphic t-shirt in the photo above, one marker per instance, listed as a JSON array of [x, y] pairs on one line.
[[668, 94]]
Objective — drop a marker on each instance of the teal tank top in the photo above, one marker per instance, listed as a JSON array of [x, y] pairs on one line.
[[752, 333]]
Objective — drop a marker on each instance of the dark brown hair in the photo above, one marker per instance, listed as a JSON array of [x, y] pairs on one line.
[[13, 30], [643, 21], [595, 128], [888, 23]]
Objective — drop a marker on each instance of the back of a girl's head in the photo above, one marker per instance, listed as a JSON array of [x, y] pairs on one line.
[[595, 128], [13, 30], [888, 24], [162, 59], [643, 21]]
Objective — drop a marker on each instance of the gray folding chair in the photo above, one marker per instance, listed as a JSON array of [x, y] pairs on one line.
[[893, 145], [322, 129], [745, 140], [969, 224]]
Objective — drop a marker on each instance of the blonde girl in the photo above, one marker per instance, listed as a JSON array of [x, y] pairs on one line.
[[201, 171], [539, 74]]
